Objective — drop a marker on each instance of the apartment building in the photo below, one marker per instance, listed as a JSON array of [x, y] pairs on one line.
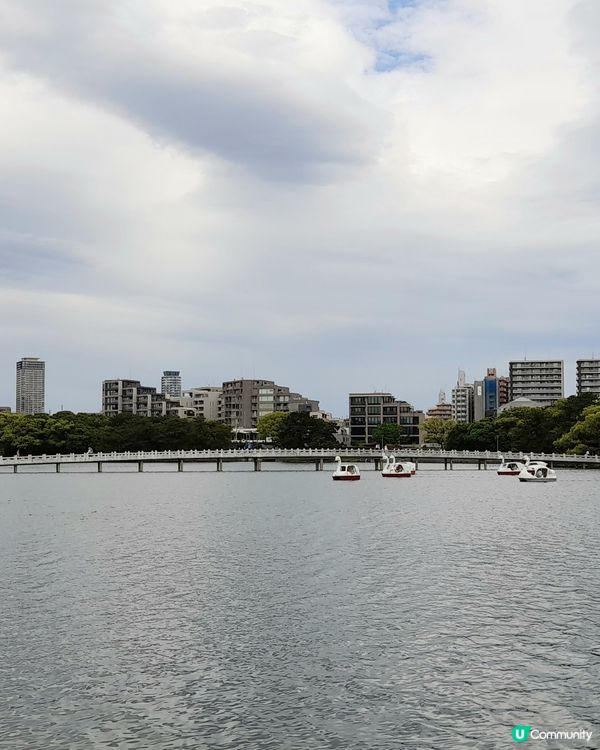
[[170, 383], [244, 402], [204, 401], [31, 388], [462, 400], [588, 376], [369, 410], [131, 397], [538, 380]]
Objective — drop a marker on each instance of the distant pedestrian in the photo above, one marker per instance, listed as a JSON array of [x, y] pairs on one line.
[[90, 451]]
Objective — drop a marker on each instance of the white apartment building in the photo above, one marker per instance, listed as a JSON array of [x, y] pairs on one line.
[[170, 383], [537, 379], [462, 400], [31, 387], [205, 401], [131, 397], [588, 376]]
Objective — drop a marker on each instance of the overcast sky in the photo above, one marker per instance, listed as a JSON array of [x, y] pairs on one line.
[[335, 194]]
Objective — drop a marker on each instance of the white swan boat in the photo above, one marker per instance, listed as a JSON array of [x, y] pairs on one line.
[[393, 469], [537, 471], [345, 472], [511, 468]]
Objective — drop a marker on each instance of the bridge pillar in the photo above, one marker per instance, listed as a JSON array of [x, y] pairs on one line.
[[451, 465], [319, 464], [258, 464], [58, 468], [219, 464], [445, 464], [485, 464], [15, 469], [478, 464], [180, 465], [99, 467], [377, 463], [140, 466]]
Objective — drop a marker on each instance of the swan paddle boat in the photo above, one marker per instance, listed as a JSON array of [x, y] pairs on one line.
[[537, 471], [393, 469], [511, 468], [345, 472]]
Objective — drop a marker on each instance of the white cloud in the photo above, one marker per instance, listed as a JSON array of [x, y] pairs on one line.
[[281, 187]]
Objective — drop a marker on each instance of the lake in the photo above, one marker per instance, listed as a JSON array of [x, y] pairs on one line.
[[283, 610]]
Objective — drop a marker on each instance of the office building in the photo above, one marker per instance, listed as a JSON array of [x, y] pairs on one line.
[[369, 410], [489, 394], [588, 376], [538, 380], [170, 383], [31, 373], [462, 400], [131, 397]]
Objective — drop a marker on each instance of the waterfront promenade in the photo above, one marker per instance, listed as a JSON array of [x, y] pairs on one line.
[[220, 459]]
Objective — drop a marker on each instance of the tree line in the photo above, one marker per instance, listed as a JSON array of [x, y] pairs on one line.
[[296, 430], [571, 425], [67, 432]]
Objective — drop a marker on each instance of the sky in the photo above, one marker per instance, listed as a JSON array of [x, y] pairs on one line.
[[338, 195]]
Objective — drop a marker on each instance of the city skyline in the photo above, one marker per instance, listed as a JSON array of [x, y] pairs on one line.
[[317, 192], [155, 375]]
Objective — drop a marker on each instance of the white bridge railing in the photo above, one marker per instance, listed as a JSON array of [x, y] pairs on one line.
[[285, 453]]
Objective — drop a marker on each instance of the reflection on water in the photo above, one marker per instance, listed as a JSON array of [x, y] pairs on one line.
[[284, 610]]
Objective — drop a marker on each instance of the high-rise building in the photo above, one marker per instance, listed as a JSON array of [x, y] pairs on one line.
[[588, 376], [462, 400], [131, 397], [503, 390], [31, 373], [537, 379], [170, 383], [489, 394], [370, 410]]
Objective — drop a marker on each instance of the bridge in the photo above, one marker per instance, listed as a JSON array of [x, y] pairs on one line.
[[291, 457]]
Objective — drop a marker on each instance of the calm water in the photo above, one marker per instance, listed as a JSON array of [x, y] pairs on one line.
[[284, 610]]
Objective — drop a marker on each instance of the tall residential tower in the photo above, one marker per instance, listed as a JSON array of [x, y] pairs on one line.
[[31, 373], [170, 383]]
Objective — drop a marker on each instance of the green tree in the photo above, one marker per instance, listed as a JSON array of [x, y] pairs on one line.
[[300, 430], [436, 430], [567, 412], [583, 436], [388, 434], [270, 425], [526, 429], [66, 432]]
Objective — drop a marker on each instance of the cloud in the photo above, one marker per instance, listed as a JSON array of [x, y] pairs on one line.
[[337, 195], [237, 82]]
